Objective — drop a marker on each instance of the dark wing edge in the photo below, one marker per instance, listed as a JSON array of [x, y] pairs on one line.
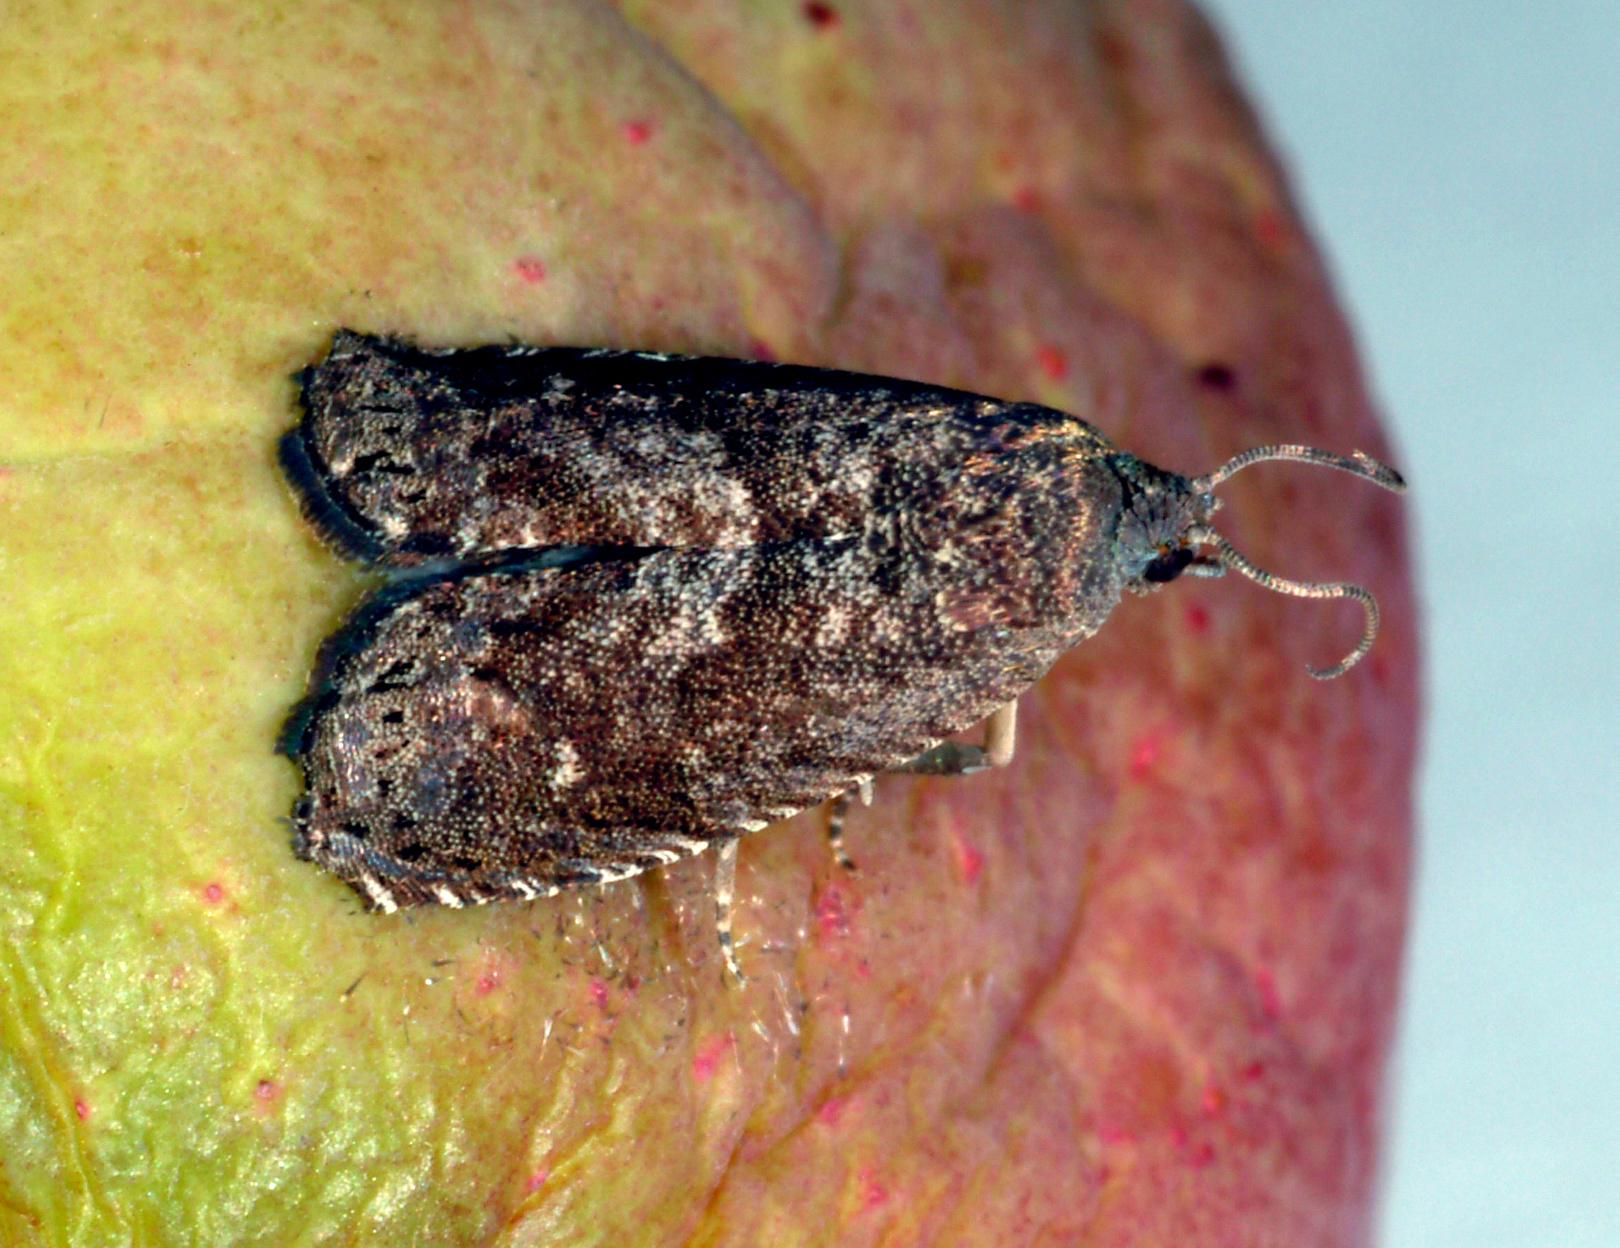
[[329, 516], [499, 370], [340, 525]]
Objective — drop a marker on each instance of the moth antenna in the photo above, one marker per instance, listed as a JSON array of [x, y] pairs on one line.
[[1229, 556], [1357, 464]]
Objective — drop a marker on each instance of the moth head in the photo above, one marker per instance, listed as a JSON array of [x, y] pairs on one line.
[[1165, 531]]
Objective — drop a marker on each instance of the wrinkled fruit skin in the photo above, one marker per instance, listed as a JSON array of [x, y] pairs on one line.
[[1135, 989]]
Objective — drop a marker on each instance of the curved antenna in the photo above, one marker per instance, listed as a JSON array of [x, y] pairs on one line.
[[1229, 556], [1357, 464]]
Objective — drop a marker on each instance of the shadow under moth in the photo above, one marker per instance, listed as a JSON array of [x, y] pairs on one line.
[[639, 605]]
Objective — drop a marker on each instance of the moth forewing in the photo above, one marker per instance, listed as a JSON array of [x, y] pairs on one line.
[[495, 732], [406, 456]]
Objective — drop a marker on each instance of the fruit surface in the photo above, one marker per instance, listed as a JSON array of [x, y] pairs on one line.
[[1135, 989]]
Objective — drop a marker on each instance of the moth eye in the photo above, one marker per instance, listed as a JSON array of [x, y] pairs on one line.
[[1170, 562]]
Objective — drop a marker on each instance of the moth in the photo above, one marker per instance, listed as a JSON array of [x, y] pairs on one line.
[[640, 605]]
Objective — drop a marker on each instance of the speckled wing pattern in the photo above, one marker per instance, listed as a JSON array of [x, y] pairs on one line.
[[649, 618], [408, 457]]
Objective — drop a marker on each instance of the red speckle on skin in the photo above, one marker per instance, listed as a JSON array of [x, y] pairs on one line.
[[530, 269], [1178, 1137], [1202, 1156], [599, 993], [1197, 617], [81, 1107], [1254, 1071], [1271, 229], [267, 1090], [1113, 1133], [178, 976], [1114, 51], [636, 132], [832, 1110], [873, 1194], [489, 981], [821, 16], [832, 917], [1053, 361], [1026, 199], [1214, 1101], [969, 862], [1144, 754], [537, 1180], [760, 350], [1265, 983], [863, 969], [213, 893], [707, 1059]]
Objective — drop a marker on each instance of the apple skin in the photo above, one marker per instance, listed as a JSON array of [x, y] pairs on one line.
[[1138, 988]]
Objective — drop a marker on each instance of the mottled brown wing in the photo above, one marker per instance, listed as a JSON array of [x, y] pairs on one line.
[[490, 735], [406, 456]]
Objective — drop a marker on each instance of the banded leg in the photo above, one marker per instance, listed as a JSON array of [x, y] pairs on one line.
[[949, 758], [835, 825], [725, 890]]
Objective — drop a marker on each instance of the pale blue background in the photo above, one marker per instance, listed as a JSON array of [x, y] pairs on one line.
[[1461, 163]]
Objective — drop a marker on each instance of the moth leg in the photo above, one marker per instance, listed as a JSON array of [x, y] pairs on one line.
[[835, 825], [951, 758], [948, 758], [725, 889], [1001, 735]]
